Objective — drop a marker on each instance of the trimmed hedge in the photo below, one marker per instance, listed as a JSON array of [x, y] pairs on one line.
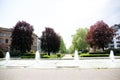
[[104, 52], [28, 55], [116, 51], [42, 55], [94, 55]]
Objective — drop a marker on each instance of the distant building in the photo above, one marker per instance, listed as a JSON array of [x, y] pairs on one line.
[[34, 46], [116, 39], [5, 37]]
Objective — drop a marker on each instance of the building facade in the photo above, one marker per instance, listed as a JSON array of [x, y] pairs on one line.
[[5, 38], [116, 39]]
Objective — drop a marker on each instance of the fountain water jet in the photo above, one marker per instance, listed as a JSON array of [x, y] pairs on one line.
[[37, 55], [7, 57], [111, 56], [76, 55]]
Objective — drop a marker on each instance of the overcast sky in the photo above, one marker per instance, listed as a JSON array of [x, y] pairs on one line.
[[65, 16]]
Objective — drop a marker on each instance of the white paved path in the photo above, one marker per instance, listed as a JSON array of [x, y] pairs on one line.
[[67, 56]]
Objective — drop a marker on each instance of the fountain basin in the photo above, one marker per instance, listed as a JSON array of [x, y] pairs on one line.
[[82, 64]]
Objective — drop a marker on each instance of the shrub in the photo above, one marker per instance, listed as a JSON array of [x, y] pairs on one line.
[[2, 55], [59, 55], [72, 55]]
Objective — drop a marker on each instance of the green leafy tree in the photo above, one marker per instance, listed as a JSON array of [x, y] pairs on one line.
[[71, 49], [50, 41], [99, 35], [62, 46], [79, 39], [22, 39]]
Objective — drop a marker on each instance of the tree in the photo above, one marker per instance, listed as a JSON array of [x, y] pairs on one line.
[[99, 35], [62, 46], [3, 47], [89, 37], [50, 41], [71, 49], [22, 39], [79, 39]]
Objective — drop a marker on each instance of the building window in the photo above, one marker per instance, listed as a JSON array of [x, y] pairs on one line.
[[7, 34], [1, 34], [6, 41], [1, 41]]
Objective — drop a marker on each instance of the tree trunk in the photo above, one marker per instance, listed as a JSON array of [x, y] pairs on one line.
[[48, 53]]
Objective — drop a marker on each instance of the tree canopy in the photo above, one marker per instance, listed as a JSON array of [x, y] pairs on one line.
[[62, 46], [22, 39], [79, 39], [99, 35], [50, 41]]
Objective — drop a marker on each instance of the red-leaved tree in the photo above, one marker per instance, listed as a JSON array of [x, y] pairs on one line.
[[50, 41], [99, 35], [22, 39]]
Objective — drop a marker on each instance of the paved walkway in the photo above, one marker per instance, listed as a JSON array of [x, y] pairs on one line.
[[59, 74], [95, 69], [67, 56]]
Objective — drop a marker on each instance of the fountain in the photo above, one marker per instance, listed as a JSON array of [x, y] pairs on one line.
[[37, 55], [7, 57], [111, 56], [76, 57]]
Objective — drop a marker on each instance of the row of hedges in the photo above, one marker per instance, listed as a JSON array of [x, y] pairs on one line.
[[101, 54], [116, 51], [94, 55], [28, 55], [42, 55]]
